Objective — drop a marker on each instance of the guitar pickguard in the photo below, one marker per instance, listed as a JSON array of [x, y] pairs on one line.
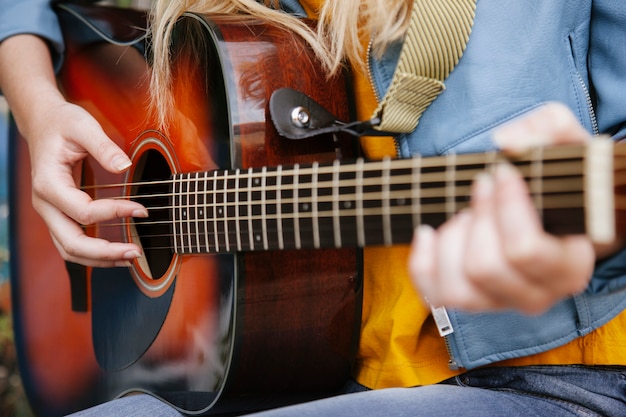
[[120, 309]]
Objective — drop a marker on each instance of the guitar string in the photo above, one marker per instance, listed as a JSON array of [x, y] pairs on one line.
[[288, 220], [566, 200], [552, 185], [461, 175], [558, 185], [374, 232], [550, 157], [558, 172]]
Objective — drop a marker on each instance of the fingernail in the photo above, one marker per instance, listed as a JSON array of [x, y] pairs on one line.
[[421, 236], [132, 255], [483, 185], [121, 163], [424, 233], [123, 264], [505, 172], [140, 213]]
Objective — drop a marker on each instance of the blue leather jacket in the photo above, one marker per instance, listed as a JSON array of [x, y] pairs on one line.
[[520, 55], [31, 16]]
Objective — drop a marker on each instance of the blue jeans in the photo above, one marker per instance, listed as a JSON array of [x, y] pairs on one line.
[[539, 391]]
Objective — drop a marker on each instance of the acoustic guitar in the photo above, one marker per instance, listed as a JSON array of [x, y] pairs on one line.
[[215, 331], [248, 296]]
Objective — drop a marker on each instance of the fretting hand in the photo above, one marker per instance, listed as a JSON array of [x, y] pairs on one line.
[[496, 255]]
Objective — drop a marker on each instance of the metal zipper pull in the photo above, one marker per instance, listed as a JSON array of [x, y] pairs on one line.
[[442, 320]]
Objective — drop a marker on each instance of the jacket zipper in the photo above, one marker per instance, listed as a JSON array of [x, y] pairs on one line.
[[444, 326], [584, 88], [368, 60], [592, 112], [440, 314]]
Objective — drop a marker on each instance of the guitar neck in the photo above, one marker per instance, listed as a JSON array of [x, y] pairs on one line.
[[380, 203]]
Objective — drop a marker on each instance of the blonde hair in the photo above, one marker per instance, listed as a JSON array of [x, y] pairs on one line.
[[337, 38]]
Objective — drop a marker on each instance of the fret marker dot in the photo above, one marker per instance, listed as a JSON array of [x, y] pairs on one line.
[[258, 238], [220, 211], [200, 212], [257, 181], [305, 207], [401, 201], [347, 204], [185, 213]]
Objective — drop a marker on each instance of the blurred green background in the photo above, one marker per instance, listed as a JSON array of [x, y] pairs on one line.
[[13, 402]]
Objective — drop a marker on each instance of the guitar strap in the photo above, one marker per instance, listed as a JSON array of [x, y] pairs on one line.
[[436, 38]]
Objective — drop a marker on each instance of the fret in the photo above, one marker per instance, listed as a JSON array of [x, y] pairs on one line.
[[237, 219], [249, 214], [176, 226], [386, 202], [450, 185], [360, 227], [256, 210], [288, 220], [197, 210], [536, 179], [185, 207], [416, 188], [208, 198], [242, 218], [202, 234], [314, 207], [296, 217], [264, 206], [279, 222], [223, 210], [214, 206], [335, 203]]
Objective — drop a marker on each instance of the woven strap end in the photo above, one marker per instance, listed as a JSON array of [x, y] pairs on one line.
[[406, 99]]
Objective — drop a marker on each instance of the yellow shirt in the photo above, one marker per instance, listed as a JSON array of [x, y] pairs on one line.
[[400, 345]]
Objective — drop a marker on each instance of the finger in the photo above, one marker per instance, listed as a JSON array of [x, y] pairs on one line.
[[550, 124], [89, 135], [485, 264], [74, 245], [561, 266], [89, 261], [422, 266], [79, 206], [453, 289]]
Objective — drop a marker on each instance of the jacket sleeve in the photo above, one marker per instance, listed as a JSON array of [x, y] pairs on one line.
[[294, 7], [33, 17], [607, 65]]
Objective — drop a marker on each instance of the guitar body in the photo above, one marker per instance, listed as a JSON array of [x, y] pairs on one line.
[[209, 333]]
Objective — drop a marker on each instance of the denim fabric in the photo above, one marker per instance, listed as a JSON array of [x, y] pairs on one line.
[[555, 391], [140, 405]]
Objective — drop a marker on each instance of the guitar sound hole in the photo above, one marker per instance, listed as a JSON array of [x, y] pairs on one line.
[[153, 189]]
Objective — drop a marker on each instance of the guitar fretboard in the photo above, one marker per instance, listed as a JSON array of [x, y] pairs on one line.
[[368, 203]]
